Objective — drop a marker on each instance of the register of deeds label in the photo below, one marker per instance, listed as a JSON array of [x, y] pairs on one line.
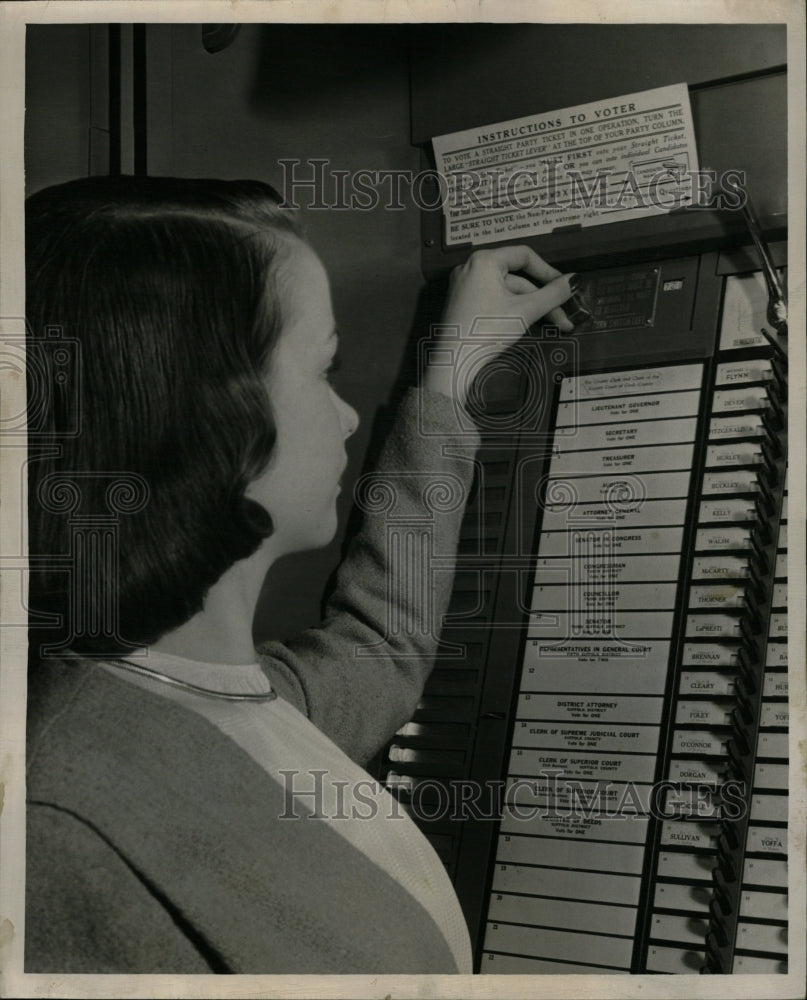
[[592, 825], [631, 154], [656, 406], [555, 792]]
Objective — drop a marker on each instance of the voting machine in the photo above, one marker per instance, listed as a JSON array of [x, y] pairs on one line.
[[601, 754]]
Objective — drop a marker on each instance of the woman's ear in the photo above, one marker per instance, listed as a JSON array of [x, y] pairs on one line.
[[256, 516]]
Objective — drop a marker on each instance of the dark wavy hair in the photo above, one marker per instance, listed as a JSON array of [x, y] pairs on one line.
[[164, 297]]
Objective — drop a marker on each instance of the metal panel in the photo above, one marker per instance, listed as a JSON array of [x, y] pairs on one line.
[[469, 75]]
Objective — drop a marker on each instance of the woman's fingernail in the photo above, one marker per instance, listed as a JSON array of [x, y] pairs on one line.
[[576, 307], [576, 312]]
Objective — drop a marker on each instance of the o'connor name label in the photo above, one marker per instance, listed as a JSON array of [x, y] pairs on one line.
[[607, 161]]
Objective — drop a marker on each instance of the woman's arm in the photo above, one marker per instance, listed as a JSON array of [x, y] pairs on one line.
[[358, 675]]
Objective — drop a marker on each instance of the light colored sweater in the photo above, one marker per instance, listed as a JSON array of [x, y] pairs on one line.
[[154, 843], [316, 777]]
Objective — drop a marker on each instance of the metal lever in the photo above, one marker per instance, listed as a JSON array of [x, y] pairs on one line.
[[777, 304]]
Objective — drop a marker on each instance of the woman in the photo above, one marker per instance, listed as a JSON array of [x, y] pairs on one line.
[[195, 805]]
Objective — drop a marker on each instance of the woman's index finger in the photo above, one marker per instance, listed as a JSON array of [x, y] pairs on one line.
[[523, 258]]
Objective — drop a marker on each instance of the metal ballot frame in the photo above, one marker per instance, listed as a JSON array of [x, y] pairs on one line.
[[650, 395]]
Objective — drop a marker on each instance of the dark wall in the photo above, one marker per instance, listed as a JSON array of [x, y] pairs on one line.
[[318, 92], [58, 103], [282, 91]]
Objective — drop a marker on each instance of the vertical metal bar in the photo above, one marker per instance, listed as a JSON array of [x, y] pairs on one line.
[[114, 98], [98, 79], [127, 99], [139, 100]]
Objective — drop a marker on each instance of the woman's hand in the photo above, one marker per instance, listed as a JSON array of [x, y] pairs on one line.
[[489, 307]]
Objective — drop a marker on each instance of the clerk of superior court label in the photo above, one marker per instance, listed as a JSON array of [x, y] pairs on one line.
[[607, 161]]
